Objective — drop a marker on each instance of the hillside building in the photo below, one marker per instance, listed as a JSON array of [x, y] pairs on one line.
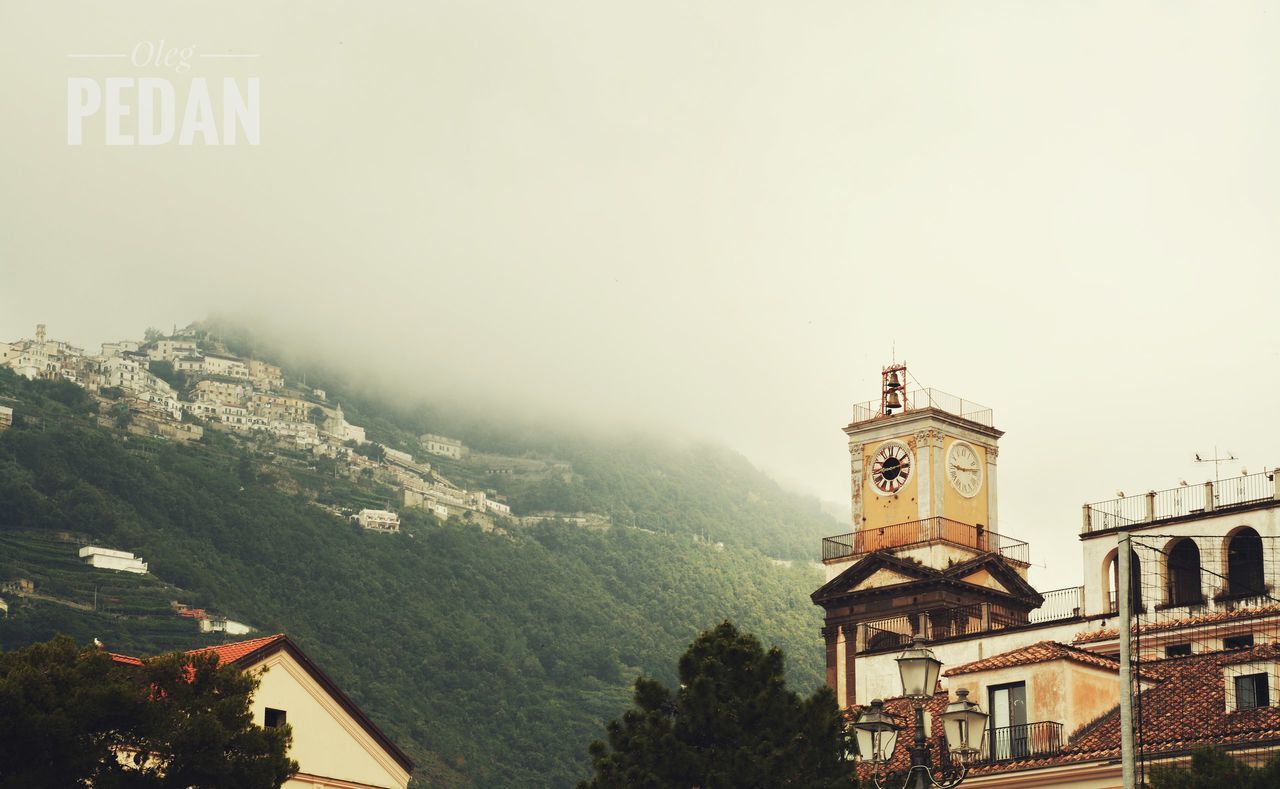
[[108, 559], [334, 742], [378, 520], [928, 560], [6, 417], [443, 446]]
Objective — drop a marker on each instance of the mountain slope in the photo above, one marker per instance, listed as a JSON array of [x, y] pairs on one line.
[[493, 658]]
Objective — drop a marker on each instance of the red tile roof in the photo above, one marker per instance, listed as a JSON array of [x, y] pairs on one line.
[[230, 653], [1188, 621], [1040, 652], [128, 660], [1185, 709]]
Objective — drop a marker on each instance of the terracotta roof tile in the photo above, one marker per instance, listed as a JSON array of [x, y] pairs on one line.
[[230, 653], [1215, 617], [1040, 652], [1185, 710]]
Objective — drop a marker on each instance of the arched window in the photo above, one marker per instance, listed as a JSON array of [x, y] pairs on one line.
[[1244, 564], [1184, 573], [1135, 582]]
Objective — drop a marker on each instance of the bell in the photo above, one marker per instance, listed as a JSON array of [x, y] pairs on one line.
[[892, 402], [892, 382]]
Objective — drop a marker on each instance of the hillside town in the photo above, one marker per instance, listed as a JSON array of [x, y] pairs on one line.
[[176, 387]]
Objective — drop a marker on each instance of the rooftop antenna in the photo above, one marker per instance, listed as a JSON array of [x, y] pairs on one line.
[[893, 389], [1217, 460]]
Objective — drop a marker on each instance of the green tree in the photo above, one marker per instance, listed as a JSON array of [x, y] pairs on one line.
[[732, 724], [70, 715], [1213, 768]]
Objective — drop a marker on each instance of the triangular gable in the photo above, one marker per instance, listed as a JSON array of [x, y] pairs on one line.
[[984, 579], [880, 578], [853, 577], [1005, 576]]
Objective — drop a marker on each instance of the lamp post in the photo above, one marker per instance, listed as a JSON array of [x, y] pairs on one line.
[[963, 724]]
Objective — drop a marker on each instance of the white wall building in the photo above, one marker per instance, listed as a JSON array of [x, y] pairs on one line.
[[378, 520], [443, 445], [108, 559]]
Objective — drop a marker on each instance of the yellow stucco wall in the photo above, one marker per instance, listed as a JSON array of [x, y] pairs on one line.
[[955, 506], [327, 742]]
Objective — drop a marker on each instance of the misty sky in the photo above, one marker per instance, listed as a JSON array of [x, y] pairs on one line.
[[711, 218]]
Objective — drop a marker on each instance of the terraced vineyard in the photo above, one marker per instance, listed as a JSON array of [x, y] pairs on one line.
[[88, 602]]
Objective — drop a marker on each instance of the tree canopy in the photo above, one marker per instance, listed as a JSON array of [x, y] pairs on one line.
[[75, 717], [732, 723]]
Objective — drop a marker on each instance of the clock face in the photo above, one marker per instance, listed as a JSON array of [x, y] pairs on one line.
[[964, 469], [891, 467]]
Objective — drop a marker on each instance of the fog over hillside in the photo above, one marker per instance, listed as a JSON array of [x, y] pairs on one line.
[[715, 221]]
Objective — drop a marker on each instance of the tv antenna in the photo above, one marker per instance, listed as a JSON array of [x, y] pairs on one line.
[[1217, 460]]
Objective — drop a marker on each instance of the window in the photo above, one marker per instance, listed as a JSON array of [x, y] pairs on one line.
[[1251, 691], [1009, 735], [1177, 650], [274, 719], [1244, 564], [1184, 573], [1238, 642]]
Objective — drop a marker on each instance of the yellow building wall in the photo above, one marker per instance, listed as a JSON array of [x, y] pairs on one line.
[[327, 742], [883, 510], [954, 506]]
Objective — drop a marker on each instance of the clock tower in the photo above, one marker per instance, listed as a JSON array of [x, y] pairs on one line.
[[924, 559], [921, 453]]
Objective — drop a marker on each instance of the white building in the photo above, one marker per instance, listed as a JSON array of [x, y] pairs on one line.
[[378, 520], [217, 624], [169, 350], [110, 349], [443, 445], [6, 417], [336, 425], [108, 559], [229, 366]]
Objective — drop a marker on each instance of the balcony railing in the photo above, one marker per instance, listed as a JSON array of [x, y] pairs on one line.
[[936, 529], [937, 624], [1180, 502], [1059, 604], [1011, 743], [920, 399]]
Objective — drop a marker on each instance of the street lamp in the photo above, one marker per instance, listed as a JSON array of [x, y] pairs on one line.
[[963, 723]]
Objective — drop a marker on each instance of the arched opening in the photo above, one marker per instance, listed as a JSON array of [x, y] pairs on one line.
[[1244, 564], [1135, 581], [1184, 573]]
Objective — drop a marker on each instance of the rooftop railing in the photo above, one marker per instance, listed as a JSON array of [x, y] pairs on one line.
[[1059, 604], [920, 399], [936, 529], [1180, 502]]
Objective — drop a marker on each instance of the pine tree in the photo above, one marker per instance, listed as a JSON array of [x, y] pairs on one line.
[[732, 724]]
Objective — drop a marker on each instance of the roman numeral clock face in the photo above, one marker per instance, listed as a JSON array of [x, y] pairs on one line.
[[964, 469], [891, 467]]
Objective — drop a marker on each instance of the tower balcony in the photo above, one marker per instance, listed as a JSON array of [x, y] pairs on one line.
[[928, 531], [923, 400]]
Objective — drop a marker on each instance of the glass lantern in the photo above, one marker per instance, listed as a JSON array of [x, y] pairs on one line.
[[877, 733], [919, 669], [964, 724]]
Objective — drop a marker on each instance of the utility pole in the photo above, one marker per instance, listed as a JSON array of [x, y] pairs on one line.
[[1124, 595]]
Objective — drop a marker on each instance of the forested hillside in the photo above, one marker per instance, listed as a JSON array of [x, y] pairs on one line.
[[493, 658]]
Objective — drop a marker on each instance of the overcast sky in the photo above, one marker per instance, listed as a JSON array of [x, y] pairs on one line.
[[714, 218]]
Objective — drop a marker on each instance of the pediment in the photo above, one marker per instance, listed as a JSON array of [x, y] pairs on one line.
[[984, 579], [881, 578]]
